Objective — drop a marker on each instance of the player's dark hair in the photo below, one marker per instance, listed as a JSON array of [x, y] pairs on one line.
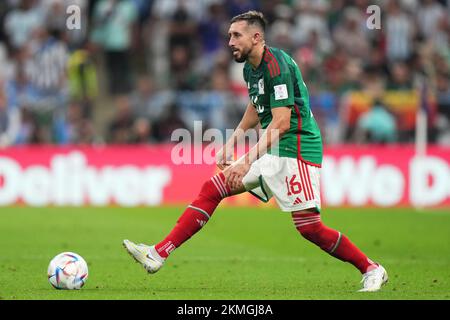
[[253, 18]]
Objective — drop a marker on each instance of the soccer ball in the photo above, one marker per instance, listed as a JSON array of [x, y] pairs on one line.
[[67, 270]]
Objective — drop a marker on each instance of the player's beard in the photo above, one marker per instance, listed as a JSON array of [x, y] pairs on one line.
[[244, 56]]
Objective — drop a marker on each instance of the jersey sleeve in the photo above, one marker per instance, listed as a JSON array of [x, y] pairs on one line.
[[281, 90]]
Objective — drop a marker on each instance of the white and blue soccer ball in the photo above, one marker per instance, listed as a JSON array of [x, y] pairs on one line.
[[67, 270]]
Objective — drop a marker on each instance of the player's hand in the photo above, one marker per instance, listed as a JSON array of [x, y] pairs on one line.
[[235, 174], [224, 158]]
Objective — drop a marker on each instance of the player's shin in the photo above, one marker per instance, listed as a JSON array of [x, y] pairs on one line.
[[331, 241], [196, 214]]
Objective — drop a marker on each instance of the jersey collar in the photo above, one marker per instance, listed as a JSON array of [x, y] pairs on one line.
[[266, 48]]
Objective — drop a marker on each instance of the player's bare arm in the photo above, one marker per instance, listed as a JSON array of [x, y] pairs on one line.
[[279, 125], [249, 121]]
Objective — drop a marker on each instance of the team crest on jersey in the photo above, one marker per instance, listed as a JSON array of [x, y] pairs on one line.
[[261, 86], [259, 108]]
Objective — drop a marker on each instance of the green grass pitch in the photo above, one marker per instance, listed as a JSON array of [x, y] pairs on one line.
[[242, 253]]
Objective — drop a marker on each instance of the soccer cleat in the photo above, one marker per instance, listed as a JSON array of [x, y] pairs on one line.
[[145, 255], [374, 279]]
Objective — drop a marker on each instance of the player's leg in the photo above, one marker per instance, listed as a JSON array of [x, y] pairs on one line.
[[296, 187], [197, 213], [308, 223], [195, 216], [310, 226]]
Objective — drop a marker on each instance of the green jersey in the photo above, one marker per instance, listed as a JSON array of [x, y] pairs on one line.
[[278, 82]]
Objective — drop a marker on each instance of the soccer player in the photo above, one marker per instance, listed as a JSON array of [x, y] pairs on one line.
[[285, 163]]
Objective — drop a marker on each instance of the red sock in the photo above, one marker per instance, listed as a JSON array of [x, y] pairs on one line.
[[196, 214], [331, 241]]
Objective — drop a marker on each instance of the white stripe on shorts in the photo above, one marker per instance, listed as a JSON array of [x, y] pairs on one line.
[[308, 178], [304, 176], [302, 179]]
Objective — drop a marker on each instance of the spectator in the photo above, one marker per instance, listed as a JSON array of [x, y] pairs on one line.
[[280, 33], [9, 121], [46, 65], [113, 27], [400, 32], [51, 76], [74, 120], [334, 14], [169, 123], [6, 63], [165, 9], [443, 95], [182, 32], [30, 131], [19, 90], [212, 29], [183, 76], [309, 59], [80, 129], [82, 76], [55, 14], [373, 83], [46, 69], [400, 78], [144, 102], [56, 19], [350, 36], [353, 72], [219, 100], [332, 76], [377, 125], [429, 13], [142, 131], [88, 134], [311, 19], [235, 7], [442, 35], [443, 106], [120, 129], [22, 21]]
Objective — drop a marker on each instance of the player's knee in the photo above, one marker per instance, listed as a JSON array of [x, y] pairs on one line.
[[310, 232], [215, 188], [238, 188], [308, 224], [314, 233]]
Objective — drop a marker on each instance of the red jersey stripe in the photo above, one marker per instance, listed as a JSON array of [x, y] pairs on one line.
[[299, 128], [269, 66], [274, 62]]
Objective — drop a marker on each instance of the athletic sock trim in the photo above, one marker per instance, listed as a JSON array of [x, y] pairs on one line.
[[200, 210], [156, 255], [218, 187], [222, 185], [337, 243], [297, 224], [303, 221], [306, 219]]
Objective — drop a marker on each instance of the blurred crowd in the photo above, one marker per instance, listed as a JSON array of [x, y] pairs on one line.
[[132, 71]]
